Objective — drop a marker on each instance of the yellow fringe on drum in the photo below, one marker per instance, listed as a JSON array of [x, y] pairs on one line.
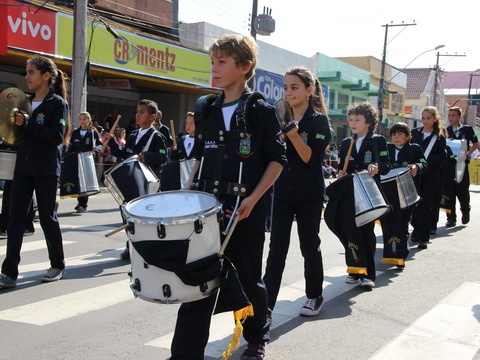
[[393, 261], [239, 316], [356, 270]]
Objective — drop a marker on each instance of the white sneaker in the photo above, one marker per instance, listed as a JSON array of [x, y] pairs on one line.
[[351, 280], [367, 283]]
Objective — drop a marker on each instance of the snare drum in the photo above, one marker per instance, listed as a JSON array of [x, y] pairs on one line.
[[370, 204], [171, 230], [79, 177], [7, 164], [407, 192], [130, 179], [459, 149]]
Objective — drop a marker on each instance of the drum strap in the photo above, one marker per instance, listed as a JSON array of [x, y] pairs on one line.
[[147, 146], [430, 146], [220, 187]]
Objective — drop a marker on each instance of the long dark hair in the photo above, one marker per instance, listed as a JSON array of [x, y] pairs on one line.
[[316, 101], [58, 80]]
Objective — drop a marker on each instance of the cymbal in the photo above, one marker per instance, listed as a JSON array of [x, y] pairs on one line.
[[11, 101]]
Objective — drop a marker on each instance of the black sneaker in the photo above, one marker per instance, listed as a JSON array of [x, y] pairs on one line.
[[450, 223], [465, 218], [125, 255], [312, 307], [422, 245], [254, 352]]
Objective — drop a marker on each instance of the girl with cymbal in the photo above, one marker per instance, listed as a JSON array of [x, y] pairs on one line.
[[38, 167]]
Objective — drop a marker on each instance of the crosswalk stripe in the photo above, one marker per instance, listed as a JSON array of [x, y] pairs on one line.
[[32, 270], [33, 246], [448, 331], [290, 299], [67, 306]]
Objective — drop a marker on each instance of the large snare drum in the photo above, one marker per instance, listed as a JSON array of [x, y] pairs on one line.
[[7, 164], [370, 204], [79, 177], [170, 230], [459, 149], [130, 179], [407, 192]]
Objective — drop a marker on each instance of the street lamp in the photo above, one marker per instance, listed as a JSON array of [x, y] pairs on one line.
[[465, 118], [416, 57]]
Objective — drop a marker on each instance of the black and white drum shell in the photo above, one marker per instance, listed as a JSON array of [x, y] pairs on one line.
[[130, 179], [370, 204], [177, 213], [407, 192], [7, 164]]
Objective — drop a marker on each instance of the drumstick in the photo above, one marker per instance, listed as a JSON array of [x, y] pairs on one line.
[[115, 230], [112, 130], [347, 158], [174, 137]]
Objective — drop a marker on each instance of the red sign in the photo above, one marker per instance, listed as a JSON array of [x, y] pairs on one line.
[[30, 28]]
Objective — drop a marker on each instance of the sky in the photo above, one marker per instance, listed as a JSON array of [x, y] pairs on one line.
[[357, 28]]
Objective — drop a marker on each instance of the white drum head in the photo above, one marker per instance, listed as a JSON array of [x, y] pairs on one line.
[[171, 207], [393, 173]]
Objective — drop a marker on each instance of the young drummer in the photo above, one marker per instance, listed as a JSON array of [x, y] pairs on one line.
[[402, 153], [146, 142], [262, 154], [430, 138], [461, 189], [369, 152], [85, 138]]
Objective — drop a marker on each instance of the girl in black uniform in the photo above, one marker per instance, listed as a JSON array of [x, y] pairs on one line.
[[85, 138], [395, 233], [430, 137], [369, 152], [38, 167], [299, 191]]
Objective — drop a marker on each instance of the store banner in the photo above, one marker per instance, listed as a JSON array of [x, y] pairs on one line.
[[270, 85], [136, 53], [28, 27], [3, 27]]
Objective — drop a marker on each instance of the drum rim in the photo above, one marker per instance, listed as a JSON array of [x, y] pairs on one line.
[[394, 176], [143, 220]]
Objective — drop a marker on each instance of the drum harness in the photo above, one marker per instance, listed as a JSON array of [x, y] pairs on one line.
[[216, 186]]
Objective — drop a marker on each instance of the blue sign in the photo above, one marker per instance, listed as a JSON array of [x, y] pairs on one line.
[[270, 85]]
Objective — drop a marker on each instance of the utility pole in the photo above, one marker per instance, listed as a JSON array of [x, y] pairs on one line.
[[382, 89], [435, 85], [79, 63], [253, 31]]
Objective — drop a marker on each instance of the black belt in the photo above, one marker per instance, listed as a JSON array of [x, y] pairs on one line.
[[220, 187]]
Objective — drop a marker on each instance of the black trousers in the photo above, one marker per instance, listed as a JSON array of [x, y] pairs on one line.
[[22, 191], [462, 192], [245, 250], [5, 215], [82, 201], [308, 215]]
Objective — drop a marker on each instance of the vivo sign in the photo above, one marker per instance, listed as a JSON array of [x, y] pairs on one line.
[[34, 32]]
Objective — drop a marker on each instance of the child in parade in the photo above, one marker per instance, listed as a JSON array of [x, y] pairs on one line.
[[300, 189], [38, 167], [262, 153], [410, 156], [146, 142], [461, 189], [369, 152], [85, 138], [430, 137]]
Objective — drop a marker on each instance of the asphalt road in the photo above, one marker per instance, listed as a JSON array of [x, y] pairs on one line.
[[430, 310]]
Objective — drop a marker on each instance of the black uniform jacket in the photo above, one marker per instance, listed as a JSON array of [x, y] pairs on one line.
[[181, 152], [463, 132], [155, 155], [39, 154], [302, 181], [90, 141], [261, 145], [408, 154], [360, 160], [437, 155]]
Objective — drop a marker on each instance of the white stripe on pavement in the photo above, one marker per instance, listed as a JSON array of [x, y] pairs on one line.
[[451, 330], [70, 305], [290, 300], [32, 246]]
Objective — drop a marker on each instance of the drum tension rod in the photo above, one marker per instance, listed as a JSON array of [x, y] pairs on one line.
[[161, 231], [130, 227], [198, 225]]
